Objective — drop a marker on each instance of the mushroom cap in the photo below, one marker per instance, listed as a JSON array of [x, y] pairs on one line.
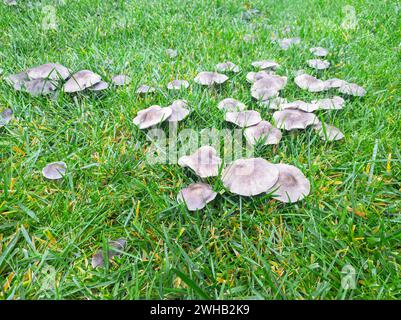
[[207, 78], [52, 71], [179, 111], [5, 116], [300, 105], [268, 87], [274, 103], [151, 116], [249, 38], [171, 53], [10, 2], [263, 131], [319, 51], [114, 247], [143, 89], [230, 104], [290, 119], [196, 196], [352, 89], [204, 162], [318, 64], [265, 64], [286, 43], [102, 85], [243, 119], [335, 103], [252, 76], [328, 132], [39, 86], [227, 66], [54, 170], [178, 84], [334, 83], [81, 80], [121, 80], [250, 177], [17, 80], [310, 83], [292, 185]]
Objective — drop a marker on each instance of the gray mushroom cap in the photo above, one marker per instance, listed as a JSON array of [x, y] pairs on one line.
[[115, 246], [206, 78], [274, 103], [264, 132], [5, 117], [243, 118], [144, 89], [196, 196], [286, 43], [102, 85], [230, 105], [318, 64], [334, 83], [334, 103], [294, 119], [352, 89], [54, 170], [179, 111], [250, 177], [265, 64], [39, 87], [152, 116], [121, 80], [171, 53], [252, 77], [328, 132], [300, 105], [178, 84], [227, 66], [292, 185], [310, 83], [52, 71], [81, 80], [204, 162], [17, 80], [319, 51], [268, 87]]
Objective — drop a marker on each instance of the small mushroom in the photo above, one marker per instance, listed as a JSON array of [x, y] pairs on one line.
[[230, 105], [335, 103], [102, 85], [252, 77], [243, 119], [249, 38], [206, 78], [300, 105], [204, 162], [264, 132], [294, 119], [328, 132], [39, 87], [5, 117], [268, 87], [144, 89], [319, 51], [179, 111], [310, 83], [172, 53], [121, 80], [151, 116], [178, 84], [10, 2], [81, 80], [227, 66], [274, 103], [115, 248], [265, 65], [54, 170], [334, 83], [250, 177], [292, 185], [17, 80], [318, 64], [352, 89], [52, 71], [196, 196], [286, 43]]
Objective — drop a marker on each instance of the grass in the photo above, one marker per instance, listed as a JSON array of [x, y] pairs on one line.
[[237, 247]]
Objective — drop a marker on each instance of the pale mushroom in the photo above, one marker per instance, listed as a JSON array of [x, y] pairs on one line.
[[249, 38], [204, 162], [268, 87], [265, 64], [178, 84], [335, 103], [179, 111], [334, 83], [121, 80], [352, 89], [172, 53], [39, 86], [102, 85], [310, 83], [230, 105], [152, 116], [196, 196], [227, 66], [243, 119], [10, 2], [250, 177], [300, 105], [286, 43], [52, 71], [206, 78], [328, 132], [274, 103], [114, 250], [292, 185], [318, 64], [54, 170], [17, 80], [252, 77], [5, 117], [319, 51], [264, 132], [81, 80], [144, 89], [294, 119]]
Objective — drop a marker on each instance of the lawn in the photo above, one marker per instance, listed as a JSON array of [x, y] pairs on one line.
[[349, 227]]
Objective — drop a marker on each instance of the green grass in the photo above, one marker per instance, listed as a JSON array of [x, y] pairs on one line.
[[236, 247]]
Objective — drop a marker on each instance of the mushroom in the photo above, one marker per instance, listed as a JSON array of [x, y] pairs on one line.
[[206, 78], [17, 80], [328, 132], [249, 38], [39, 86], [151, 116], [121, 80], [250, 177], [310, 83], [292, 185], [102, 85], [251, 77], [286, 43], [196, 196], [144, 89], [5, 117], [352, 89], [227, 66], [204, 162], [243, 118], [318, 64], [290, 119], [300, 105], [230, 104], [81, 80], [334, 83], [265, 64], [179, 111], [263, 131], [54, 170], [10, 2], [177, 85], [335, 103], [114, 250], [268, 87], [52, 71], [319, 51], [172, 53]]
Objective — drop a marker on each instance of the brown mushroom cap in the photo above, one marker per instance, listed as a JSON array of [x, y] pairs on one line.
[[206, 78], [243, 118], [178, 84], [268, 87], [294, 119], [265, 64], [151, 116], [196, 196], [310, 83], [319, 51], [318, 64], [179, 111], [204, 162], [286, 43], [328, 132], [352, 89], [52, 71], [230, 104], [250, 177], [81, 80], [263, 131], [144, 89], [252, 77], [121, 80], [335, 103], [227, 66], [291, 185]]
